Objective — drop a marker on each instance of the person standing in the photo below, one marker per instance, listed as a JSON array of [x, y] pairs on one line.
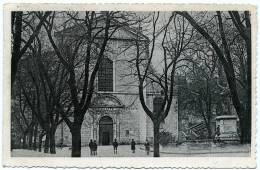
[[91, 147], [133, 145], [147, 147], [95, 148], [217, 138], [115, 145]]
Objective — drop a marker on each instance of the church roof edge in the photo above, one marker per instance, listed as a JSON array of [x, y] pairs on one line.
[[125, 27]]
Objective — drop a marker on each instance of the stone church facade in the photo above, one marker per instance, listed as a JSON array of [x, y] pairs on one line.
[[116, 112]]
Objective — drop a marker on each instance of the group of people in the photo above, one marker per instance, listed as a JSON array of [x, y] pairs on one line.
[[146, 145], [93, 147], [115, 145]]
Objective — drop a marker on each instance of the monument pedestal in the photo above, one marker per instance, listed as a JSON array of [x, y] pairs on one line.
[[228, 128]]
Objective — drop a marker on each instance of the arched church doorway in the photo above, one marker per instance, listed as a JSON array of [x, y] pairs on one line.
[[105, 130]]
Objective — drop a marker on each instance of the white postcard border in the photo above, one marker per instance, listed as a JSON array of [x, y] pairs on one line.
[[123, 162]]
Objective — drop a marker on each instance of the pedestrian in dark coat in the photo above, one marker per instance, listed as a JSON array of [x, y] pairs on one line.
[[147, 147], [133, 146], [95, 147], [91, 147], [217, 134], [115, 145]]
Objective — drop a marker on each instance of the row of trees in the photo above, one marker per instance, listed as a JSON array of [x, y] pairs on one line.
[[56, 57]]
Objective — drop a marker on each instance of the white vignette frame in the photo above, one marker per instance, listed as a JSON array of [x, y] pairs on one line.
[[120, 162]]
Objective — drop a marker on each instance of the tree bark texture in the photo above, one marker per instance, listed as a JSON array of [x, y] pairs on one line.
[[17, 17], [47, 142], [52, 141], [40, 142], [35, 134], [30, 137], [156, 137], [76, 141], [24, 141]]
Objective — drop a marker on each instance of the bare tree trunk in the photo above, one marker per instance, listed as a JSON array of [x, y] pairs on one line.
[[76, 143], [24, 141], [30, 137], [40, 142], [76, 140], [17, 17], [52, 141], [209, 130], [35, 134], [244, 130], [247, 126], [209, 112], [47, 142], [248, 113], [156, 137], [205, 117]]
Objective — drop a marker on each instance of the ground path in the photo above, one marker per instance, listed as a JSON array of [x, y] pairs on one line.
[[124, 151]]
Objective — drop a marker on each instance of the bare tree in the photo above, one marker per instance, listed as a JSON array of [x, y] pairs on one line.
[[99, 30], [18, 19], [228, 65], [174, 42], [202, 85], [25, 121], [40, 99]]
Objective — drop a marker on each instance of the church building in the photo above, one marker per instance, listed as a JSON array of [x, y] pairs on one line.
[[116, 111]]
